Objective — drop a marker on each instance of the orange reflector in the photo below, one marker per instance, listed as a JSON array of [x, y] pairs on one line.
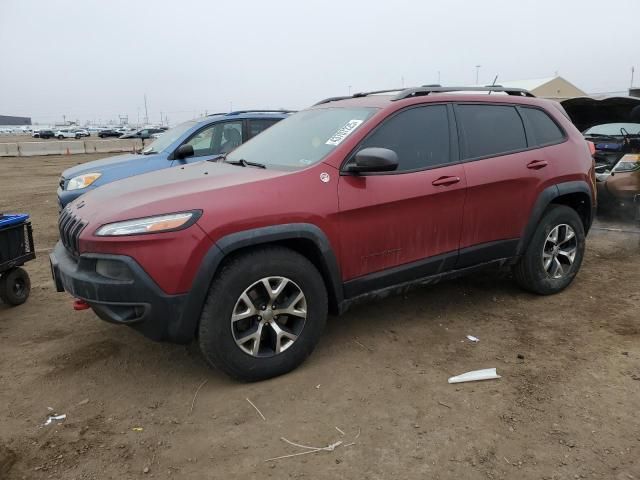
[[80, 304], [166, 225]]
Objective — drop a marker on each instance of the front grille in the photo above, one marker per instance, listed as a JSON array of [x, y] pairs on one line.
[[70, 227]]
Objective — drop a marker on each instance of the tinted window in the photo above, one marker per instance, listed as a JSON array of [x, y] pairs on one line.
[[257, 126], [420, 137], [544, 130], [490, 129]]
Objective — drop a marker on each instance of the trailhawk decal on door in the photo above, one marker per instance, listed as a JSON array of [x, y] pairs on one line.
[[343, 132]]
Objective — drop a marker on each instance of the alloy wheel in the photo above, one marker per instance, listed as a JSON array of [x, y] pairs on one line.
[[269, 316], [559, 251]]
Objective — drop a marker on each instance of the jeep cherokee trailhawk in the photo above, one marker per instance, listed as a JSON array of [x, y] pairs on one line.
[[348, 200]]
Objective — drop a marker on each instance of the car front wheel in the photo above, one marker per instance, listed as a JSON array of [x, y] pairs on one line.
[[264, 314], [555, 252]]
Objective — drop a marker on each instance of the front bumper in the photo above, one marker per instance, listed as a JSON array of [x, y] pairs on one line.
[[136, 301]]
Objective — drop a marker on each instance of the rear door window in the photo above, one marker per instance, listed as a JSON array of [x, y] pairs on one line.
[[543, 129], [490, 130], [420, 137]]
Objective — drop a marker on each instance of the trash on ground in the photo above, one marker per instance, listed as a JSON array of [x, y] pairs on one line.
[[307, 449], [473, 339], [475, 375], [257, 409], [54, 418], [137, 429]]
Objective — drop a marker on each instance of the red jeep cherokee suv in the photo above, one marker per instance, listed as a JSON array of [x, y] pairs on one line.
[[350, 199]]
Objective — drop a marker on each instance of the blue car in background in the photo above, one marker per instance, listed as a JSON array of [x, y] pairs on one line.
[[191, 141]]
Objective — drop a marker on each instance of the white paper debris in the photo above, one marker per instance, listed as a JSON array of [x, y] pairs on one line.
[[476, 375], [54, 418], [473, 339]]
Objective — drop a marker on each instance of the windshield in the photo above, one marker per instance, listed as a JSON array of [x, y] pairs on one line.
[[614, 129], [168, 137], [302, 139]]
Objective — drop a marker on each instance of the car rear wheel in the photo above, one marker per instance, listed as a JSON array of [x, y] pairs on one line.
[[264, 314], [554, 255], [15, 286]]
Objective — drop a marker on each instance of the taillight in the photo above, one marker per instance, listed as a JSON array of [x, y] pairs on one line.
[[592, 147]]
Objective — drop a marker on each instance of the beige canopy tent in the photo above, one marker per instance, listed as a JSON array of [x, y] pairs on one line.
[[555, 88]]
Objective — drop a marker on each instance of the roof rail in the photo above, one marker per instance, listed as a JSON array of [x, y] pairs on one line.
[[238, 112], [418, 91], [357, 95], [435, 88]]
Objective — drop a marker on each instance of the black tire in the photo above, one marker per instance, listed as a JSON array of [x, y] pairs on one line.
[[15, 286], [239, 273], [530, 273]]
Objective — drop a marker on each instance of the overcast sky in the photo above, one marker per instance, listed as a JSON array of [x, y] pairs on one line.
[[95, 59]]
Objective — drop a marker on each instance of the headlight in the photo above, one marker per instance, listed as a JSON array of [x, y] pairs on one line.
[[628, 163], [161, 223], [83, 181]]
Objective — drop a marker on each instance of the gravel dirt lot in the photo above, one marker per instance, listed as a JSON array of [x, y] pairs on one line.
[[566, 406]]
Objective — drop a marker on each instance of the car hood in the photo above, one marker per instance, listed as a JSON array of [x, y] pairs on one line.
[[176, 189], [106, 164], [596, 110]]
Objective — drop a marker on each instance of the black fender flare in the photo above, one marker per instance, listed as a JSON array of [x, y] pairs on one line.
[[546, 197], [185, 328]]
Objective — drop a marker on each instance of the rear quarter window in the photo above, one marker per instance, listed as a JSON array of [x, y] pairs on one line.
[[543, 129], [490, 130]]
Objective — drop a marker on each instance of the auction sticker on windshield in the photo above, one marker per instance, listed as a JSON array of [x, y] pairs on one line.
[[343, 132]]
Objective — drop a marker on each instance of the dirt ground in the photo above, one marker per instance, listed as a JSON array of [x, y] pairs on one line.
[[566, 406]]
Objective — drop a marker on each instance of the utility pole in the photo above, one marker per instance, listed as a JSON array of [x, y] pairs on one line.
[[349, 86], [402, 81], [146, 113], [438, 77], [478, 74], [633, 71]]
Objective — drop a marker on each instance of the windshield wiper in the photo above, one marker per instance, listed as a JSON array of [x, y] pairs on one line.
[[245, 163], [222, 156]]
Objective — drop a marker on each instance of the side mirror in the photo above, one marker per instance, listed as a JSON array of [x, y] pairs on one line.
[[374, 159], [184, 151]]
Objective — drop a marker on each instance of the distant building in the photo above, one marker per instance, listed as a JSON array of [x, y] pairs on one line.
[[555, 88], [9, 120]]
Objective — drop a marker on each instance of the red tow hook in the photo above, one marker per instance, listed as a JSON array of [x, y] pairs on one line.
[[80, 304]]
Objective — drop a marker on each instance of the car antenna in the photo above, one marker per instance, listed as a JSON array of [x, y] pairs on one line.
[[494, 83]]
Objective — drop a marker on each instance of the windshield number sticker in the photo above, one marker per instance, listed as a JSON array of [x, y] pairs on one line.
[[343, 132]]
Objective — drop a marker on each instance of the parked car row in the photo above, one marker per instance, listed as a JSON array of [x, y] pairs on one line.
[[250, 239], [61, 133]]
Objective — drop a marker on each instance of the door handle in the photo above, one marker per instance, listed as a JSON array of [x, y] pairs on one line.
[[537, 164], [445, 181]]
